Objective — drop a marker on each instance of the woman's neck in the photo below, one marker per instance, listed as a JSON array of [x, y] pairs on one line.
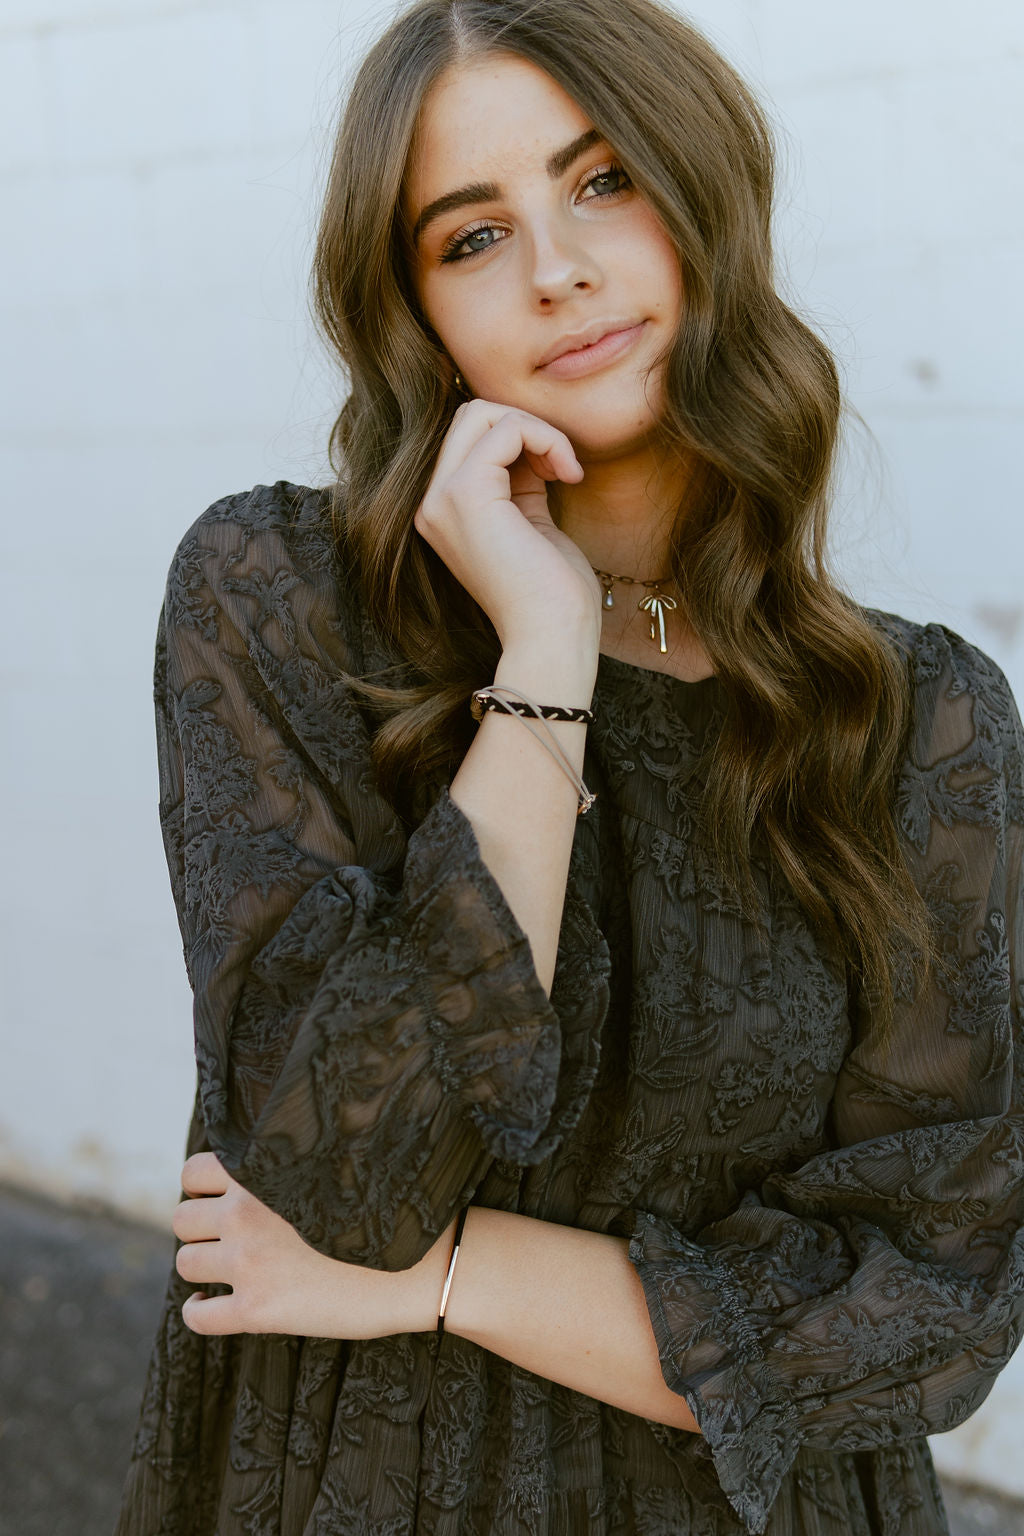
[[622, 513], [621, 516]]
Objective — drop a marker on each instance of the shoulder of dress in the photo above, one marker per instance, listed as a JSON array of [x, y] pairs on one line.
[[941, 659], [295, 522], [281, 533], [965, 720], [268, 554]]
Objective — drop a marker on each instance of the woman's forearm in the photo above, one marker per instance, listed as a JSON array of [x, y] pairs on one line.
[[520, 803], [563, 1303]]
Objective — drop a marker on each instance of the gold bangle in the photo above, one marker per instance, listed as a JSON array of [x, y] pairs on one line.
[[456, 1245]]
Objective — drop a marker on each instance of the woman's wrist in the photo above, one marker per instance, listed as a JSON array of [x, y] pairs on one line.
[[555, 632], [567, 649], [425, 1283], [547, 676]]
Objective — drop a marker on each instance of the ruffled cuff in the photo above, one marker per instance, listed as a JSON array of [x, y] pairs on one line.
[[710, 1346], [520, 1064]]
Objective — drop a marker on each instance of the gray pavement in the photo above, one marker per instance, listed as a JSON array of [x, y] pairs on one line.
[[80, 1292]]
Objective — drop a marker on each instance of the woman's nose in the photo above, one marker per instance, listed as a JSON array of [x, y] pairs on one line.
[[561, 264]]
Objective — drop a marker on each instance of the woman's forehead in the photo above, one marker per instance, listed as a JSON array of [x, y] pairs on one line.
[[484, 114]]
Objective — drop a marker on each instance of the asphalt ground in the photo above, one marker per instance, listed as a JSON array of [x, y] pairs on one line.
[[80, 1293]]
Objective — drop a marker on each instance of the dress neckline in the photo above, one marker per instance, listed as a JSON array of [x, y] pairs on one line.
[[613, 663]]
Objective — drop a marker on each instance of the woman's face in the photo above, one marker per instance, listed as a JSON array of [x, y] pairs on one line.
[[531, 246]]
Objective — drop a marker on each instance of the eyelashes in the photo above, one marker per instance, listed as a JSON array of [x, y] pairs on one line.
[[454, 250], [612, 172]]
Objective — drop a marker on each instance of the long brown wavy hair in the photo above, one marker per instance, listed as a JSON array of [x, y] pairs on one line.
[[818, 701]]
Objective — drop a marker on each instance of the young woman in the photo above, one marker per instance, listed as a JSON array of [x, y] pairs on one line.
[[694, 1101]]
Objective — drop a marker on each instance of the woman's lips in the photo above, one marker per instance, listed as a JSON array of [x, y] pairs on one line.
[[571, 365]]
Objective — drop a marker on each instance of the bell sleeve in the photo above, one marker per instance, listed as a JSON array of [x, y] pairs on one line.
[[872, 1294], [370, 1031]]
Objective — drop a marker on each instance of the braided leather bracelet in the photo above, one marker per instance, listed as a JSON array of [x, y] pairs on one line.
[[491, 697], [481, 701]]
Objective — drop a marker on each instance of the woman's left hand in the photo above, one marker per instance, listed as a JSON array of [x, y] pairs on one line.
[[278, 1283]]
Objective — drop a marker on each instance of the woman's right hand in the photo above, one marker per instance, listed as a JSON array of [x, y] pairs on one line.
[[485, 513]]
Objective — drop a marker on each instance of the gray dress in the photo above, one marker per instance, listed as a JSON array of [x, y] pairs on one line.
[[828, 1224]]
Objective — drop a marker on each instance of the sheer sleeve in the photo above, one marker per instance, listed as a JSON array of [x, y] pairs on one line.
[[370, 1030], [872, 1294]]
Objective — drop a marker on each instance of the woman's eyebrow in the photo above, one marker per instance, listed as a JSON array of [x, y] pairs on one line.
[[476, 192], [556, 165], [559, 162]]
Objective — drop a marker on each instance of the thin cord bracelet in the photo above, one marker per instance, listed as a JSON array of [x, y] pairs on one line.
[[494, 694], [459, 1225]]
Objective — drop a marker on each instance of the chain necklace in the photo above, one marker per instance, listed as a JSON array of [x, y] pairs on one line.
[[654, 602]]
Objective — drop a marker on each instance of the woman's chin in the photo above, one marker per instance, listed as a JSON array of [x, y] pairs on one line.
[[609, 443], [605, 426], [602, 424]]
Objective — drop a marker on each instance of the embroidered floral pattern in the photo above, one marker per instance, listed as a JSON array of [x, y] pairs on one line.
[[828, 1221]]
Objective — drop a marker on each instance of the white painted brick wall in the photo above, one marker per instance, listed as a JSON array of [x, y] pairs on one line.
[[26, 112], [156, 170], [158, 166], [164, 86]]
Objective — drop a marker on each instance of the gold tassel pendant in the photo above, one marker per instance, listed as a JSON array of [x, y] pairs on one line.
[[655, 604]]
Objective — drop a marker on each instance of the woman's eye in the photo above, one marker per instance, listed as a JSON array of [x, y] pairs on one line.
[[607, 181], [469, 242]]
